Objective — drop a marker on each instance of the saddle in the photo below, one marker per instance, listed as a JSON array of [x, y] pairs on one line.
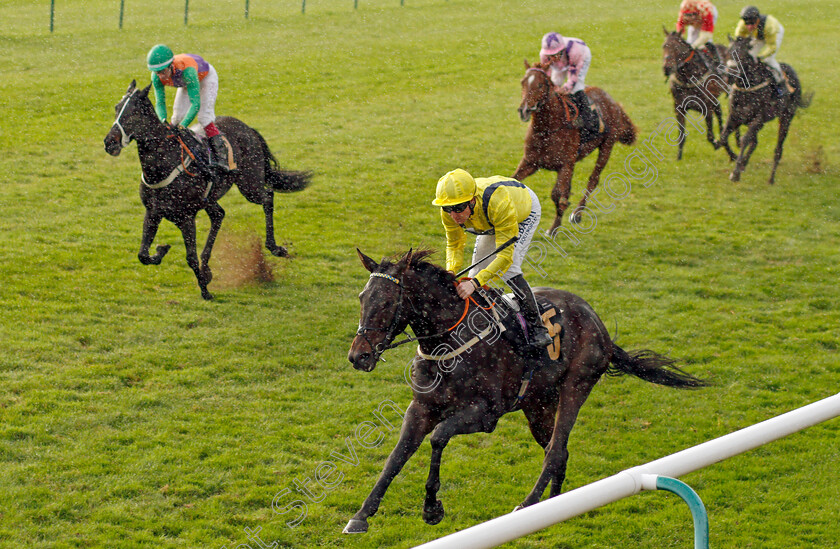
[[198, 147], [516, 329]]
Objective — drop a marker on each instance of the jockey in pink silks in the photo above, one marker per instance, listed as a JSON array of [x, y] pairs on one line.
[[568, 59]]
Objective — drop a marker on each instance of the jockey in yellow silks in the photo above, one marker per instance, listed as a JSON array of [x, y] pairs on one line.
[[495, 209]]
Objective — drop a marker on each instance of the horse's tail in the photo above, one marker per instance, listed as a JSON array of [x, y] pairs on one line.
[[653, 367], [283, 181], [629, 131], [801, 99], [287, 181]]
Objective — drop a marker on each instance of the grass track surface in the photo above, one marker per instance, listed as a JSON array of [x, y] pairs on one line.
[[134, 414]]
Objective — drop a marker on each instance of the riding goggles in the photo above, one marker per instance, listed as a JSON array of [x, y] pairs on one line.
[[456, 208]]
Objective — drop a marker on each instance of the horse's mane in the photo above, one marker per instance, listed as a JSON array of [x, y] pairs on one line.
[[420, 265]]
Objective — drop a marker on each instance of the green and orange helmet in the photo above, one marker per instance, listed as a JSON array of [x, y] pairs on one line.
[[159, 58]]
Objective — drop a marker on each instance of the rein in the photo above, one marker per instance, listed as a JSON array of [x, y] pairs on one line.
[[564, 100], [390, 331]]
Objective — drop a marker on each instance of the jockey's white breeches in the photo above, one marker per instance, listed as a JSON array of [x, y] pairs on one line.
[[486, 243], [208, 90]]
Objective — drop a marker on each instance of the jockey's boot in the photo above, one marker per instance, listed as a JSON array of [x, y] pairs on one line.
[[587, 120], [219, 154], [537, 333]]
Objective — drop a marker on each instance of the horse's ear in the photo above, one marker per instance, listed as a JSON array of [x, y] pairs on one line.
[[145, 91], [665, 30], [368, 263], [131, 86], [527, 65], [405, 261], [730, 38]]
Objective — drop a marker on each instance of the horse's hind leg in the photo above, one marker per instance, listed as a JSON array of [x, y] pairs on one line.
[[270, 244], [416, 425], [469, 420], [151, 222], [573, 394], [187, 226], [784, 126]]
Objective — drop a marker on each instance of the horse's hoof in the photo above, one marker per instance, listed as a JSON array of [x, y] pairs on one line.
[[734, 177], [280, 251], [355, 526], [517, 508], [162, 249], [206, 294], [434, 515], [575, 218]]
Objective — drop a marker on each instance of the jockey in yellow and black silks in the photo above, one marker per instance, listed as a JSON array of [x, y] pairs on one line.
[[495, 209]]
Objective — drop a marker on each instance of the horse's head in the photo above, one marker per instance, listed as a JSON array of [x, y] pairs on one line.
[[675, 52], [536, 87], [132, 117], [385, 309]]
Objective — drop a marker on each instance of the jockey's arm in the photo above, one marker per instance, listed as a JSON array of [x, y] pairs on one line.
[[502, 212], [680, 28], [741, 30], [771, 29], [703, 37], [160, 97], [456, 238], [190, 76]]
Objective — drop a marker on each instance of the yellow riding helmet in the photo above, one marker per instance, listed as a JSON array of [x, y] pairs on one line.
[[455, 187]]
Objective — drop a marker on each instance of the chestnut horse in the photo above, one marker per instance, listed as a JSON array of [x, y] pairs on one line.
[[175, 188], [694, 85], [553, 143], [461, 389]]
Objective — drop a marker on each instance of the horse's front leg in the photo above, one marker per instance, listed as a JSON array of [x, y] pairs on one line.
[[187, 227], [416, 425], [470, 420], [603, 157], [561, 191], [151, 222], [526, 167], [748, 144], [723, 140], [681, 122], [216, 215]]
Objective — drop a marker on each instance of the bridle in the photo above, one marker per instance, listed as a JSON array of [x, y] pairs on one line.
[[547, 83], [391, 331], [126, 138], [563, 99]]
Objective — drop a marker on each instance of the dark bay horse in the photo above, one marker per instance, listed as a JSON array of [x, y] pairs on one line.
[[694, 84], [175, 188], [553, 143], [757, 102], [471, 391]]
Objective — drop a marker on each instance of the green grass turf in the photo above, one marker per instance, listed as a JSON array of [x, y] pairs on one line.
[[133, 414]]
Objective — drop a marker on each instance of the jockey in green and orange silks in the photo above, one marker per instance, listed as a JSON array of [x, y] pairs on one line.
[[195, 99]]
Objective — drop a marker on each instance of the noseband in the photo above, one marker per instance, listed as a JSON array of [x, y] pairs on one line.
[[126, 138]]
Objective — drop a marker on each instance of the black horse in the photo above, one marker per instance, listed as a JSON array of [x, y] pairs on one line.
[[460, 391], [176, 187], [755, 101], [695, 82]]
